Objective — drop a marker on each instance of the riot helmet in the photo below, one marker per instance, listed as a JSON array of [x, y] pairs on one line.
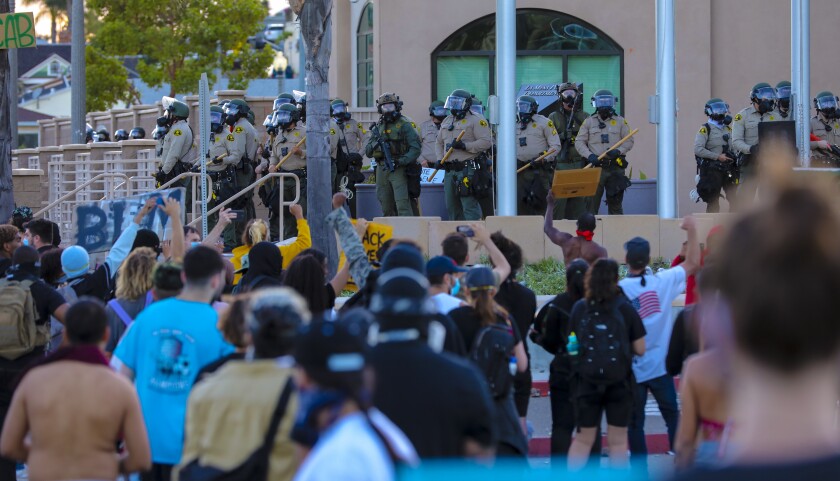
[[285, 117], [338, 110], [389, 106], [477, 107], [301, 106], [217, 122], [235, 110], [175, 109], [570, 95], [88, 134], [101, 135], [604, 102], [783, 94], [120, 134], [284, 98], [717, 110], [251, 117], [437, 110], [160, 132], [826, 102], [764, 96], [458, 103], [137, 133], [526, 108]]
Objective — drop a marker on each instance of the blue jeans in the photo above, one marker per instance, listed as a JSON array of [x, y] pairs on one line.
[[665, 393]]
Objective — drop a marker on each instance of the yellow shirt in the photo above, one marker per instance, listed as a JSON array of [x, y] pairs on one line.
[[303, 242], [224, 427]]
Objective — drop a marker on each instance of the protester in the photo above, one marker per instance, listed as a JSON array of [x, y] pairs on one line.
[[165, 347], [601, 324], [51, 271], [233, 326], [267, 270], [456, 246], [453, 247], [551, 326], [10, 240], [71, 410], [705, 254], [14, 357], [485, 327], [354, 441], [652, 296], [350, 238], [229, 412], [779, 274], [256, 231], [440, 401], [303, 277], [444, 275], [20, 216], [579, 246], [521, 303], [41, 234], [133, 294], [166, 280], [685, 336]]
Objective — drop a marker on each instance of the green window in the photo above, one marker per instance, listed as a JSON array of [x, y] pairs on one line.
[[364, 58]]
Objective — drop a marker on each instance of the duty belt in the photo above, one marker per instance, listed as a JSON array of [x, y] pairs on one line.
[[542, 164], [457, 165], [298, 172], [221, 175]]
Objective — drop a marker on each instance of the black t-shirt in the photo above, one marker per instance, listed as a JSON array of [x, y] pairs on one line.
[[469, 324], [4, 265], [553, 324], [632, 321], [47, 299], [98, 284], [826, 469], [438, 400], [521, 304]]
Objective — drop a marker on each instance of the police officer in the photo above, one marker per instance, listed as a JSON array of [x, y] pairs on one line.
[[345, 146], [301, 106], [241, 142], [429, 132], [464, 162], [567, 122], [290, 133], [598, 133], [745, 136], [401, 134], [477, 107], [137, 133], [120, 134], [826, 127], [783, 100], [177, 152], [221, 168], [715, 162], [536, 136]]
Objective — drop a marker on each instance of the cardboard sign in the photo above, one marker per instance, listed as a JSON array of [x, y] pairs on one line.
[[375, 236], [18, 30], [428, 172], [99, 224]]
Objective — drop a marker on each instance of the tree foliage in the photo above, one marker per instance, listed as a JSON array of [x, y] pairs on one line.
[[179, 39], [106, 81]]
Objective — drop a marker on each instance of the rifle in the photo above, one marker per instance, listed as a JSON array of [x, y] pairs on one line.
[[384, 145], [617, 145], [446, 155], [564, 151], [284, 159], [538, 159]]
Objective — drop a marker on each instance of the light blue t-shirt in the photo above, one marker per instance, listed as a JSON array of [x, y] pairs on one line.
[[166, 346]]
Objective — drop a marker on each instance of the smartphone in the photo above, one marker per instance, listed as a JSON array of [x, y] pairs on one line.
[[240, 214], [465, 229]]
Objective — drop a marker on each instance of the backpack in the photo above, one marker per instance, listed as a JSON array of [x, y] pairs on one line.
[[19, 335], [604, 346], [491, 351], [120, 312]]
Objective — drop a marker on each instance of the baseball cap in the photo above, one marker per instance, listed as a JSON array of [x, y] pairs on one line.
[[327, 346], [480, 278], [75, 261], [638, 252], [440, 265], [404, 255]]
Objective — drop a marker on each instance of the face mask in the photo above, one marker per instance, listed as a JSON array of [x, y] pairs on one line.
[[605, 113], [765, 106], [310, 404], [457, 287], [194, 244], [25, 241], [162, 121]]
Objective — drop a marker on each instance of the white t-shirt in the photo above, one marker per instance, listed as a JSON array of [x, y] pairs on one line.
[[445, 303], [350, 450], [653, 303]]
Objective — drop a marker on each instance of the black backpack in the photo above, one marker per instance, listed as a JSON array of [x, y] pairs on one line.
[[604, 346], [491, 351]]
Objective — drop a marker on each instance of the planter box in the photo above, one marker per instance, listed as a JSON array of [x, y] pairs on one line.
[[639, 199]]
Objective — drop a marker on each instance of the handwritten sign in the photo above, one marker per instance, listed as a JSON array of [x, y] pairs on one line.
[[375, 236], [99, 224], [428, 172], [18, 30]]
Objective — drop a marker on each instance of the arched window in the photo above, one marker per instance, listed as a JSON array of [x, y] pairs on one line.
[[364, 58], [552, 47]]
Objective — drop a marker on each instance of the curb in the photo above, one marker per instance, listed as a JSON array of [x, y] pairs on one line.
[[656, 444]]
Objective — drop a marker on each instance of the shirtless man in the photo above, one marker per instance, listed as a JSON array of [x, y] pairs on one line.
[[69, 412], [574, 247]]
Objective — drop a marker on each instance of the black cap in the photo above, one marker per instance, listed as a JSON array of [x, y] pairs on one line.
[[146, 238], [406, 256], [480, 278], [327, 346], [401, 298], [638, 252]]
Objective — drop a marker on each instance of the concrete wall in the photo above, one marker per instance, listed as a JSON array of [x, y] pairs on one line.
[[30, 187]]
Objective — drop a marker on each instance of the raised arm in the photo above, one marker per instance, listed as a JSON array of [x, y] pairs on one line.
[[552, 232], [692, 252], [172, 208], [500, 264], [225, 218], [350, 239], [122, 246]]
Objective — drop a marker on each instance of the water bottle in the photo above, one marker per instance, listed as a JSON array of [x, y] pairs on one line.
[[572, 346], [512, 365]]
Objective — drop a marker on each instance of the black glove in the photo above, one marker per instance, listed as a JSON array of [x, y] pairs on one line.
[[613, 154], [439, 165], [266, 154], [593, 159], [754, 149], [459, 145]]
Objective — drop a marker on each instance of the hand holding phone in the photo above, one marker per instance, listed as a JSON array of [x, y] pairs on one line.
[[465, 229]]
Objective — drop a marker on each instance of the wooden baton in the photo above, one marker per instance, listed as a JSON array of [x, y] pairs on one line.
[[617, 145], [538, 159], [284, 159], [446, 155]]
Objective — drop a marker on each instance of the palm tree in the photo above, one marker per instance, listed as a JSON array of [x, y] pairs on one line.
[[55, 9]]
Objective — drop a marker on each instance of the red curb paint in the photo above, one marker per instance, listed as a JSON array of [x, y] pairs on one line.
[[656, 444]]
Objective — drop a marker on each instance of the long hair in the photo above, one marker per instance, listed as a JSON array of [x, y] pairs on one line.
[[306, 276], [575, 276], [484, 303], [135, 274], [232, 321], [255, 232], [602, 281]]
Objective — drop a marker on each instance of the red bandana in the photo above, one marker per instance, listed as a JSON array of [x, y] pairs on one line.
[[586, 234]]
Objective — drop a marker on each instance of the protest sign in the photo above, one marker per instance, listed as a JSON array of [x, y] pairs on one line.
[[99, 224], [18, 30], [427, 172], [375, 236]]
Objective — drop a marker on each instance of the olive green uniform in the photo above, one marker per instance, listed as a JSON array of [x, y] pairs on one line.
[[711, 141], [829, 132], [349, 135], [571, 208], [596, 136], [744, 136], [460, 203], [392, 187], [177, 146], [534, 139], [284, 142]]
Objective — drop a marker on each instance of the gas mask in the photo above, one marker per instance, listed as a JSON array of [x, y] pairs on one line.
[[457, 106], [163, 121], [216, 123], [389, 112]]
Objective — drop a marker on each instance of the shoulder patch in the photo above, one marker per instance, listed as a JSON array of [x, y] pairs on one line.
[[230, 137], [553, 131], [238, 130], [703, 130], [625, 123], [414, 126], [612, 122], [551, 124], [297, 134], [463, 121], [738, 117], [177, 132], [332, 131], [482, 123], [772, 117], [534, 125]]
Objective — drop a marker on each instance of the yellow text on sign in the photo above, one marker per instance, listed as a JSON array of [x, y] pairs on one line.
[[374, 237], [18, 30]]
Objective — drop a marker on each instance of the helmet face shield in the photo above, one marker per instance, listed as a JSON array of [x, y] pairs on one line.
[[783, 92], [524, 108], [215, 118], [439, 111], [282, 118], [568, 96], [765, 93], [603, 102], [339, 109], [388, 108], [826, 103], [231, 110], [455, 103], [718, 108], [477, 109], [279, 102]]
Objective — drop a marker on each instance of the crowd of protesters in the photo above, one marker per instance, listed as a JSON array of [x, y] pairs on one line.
[[175, 362]]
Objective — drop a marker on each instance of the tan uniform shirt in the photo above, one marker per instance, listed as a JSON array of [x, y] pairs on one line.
[[477, 137], [539, 135], [349, 134], [177, 145], [237, 142], [589, 140], [252, 138], [782, 115], [217, 148], [822, 131], [284, 142], [428, 139], [745, 128], [709, 142]]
